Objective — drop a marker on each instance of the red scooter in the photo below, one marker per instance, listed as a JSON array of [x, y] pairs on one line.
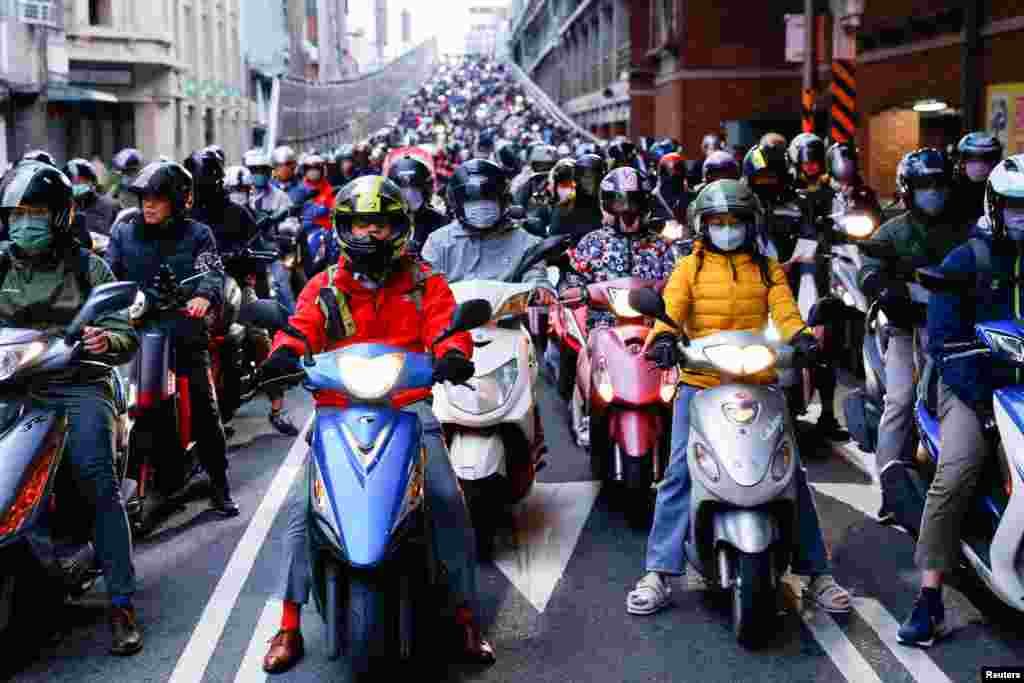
[[628, 399]]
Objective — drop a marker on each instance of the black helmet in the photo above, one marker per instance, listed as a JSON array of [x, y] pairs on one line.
[[372, 199], [478, 180], [508, 157], [164, 179], [38, 184], [128, 161], [624, 194], [842, 161], [219, 152], [414, 179], [39, 155], [672, 173], [920, 169], [982, 148], [720, 165], [806, 148], [590, 171], [207, 171], [80, 168], [766, 171], [622, 152]]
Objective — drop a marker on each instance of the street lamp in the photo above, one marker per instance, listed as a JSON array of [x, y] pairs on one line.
[[931, 105]]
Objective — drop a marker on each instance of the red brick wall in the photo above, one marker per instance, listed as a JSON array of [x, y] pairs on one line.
[[729, 33]]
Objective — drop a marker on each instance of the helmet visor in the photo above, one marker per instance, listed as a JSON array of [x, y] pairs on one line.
[[619, 203]]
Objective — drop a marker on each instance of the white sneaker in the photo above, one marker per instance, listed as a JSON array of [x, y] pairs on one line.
[[650, 595]]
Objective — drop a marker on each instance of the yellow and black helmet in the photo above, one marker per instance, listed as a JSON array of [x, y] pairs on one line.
[[372, 200]]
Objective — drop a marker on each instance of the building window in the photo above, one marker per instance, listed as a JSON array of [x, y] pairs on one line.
[[663, 22], [100, 13]]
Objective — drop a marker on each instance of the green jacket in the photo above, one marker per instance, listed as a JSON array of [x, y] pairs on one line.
[[47, 297], [913, 243]]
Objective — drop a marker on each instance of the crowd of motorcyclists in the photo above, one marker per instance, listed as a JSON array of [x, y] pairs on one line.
[[468, 178]]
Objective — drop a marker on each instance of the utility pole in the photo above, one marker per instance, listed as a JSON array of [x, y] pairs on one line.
[[810, 63], [296, 33]]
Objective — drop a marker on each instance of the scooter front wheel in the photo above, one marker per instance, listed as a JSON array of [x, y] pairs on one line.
[[753, 597]]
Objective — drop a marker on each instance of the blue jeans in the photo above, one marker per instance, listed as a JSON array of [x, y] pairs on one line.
[[89, 450], [451, 527], [666, 553]]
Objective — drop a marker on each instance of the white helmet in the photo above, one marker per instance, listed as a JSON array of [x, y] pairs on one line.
[[1004, 198], [283, 155], [255, 158], [237, 179]]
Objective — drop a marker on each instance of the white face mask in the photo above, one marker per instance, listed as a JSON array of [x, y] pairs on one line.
[[413, 197], [728, 237], [240, 198], [1014, 220], [482, 214], [977, 171]]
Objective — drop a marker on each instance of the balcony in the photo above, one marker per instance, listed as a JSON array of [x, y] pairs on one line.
[[105, 44]]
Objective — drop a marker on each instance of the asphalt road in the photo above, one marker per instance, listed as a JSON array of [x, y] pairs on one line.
[[553, 598]]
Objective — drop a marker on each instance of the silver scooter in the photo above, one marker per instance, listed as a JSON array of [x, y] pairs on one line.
[[742, 454]]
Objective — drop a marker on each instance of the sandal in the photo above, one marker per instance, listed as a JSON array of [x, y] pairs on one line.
[[650, 595], [828, 595]]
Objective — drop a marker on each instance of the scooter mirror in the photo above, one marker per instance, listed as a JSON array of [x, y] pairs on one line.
[[650, 303], [113, 296], [554, 275], [467, 316]]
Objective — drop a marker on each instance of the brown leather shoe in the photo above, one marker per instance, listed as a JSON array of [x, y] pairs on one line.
[[475, 649], [127, 638], [285, 650]]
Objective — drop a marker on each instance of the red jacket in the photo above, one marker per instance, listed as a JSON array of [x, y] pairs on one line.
[[383, 316], [324, 197]]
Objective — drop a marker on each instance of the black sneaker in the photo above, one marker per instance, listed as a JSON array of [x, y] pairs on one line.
[[829, 429], [127, 639], [281, 423], [221, 503], [925, 625]]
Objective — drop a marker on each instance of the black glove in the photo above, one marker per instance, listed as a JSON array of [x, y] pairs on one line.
[[664, 351], [454, 367], [281, 363], [807, 347]]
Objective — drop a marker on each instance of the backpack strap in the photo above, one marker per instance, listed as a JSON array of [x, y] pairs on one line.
[[348, 323], [982, 252]]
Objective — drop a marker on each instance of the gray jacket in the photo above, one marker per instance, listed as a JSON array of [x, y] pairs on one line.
[[461, 254]]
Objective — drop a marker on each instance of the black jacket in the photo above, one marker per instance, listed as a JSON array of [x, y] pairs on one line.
[[233, 225], [137, 251], [98, 211], [583, 218]]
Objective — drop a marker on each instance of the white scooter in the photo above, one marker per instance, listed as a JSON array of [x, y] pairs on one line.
[[742, 455], [491, 423]]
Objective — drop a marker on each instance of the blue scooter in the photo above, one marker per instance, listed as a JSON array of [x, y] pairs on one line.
[[993, 533], [370, 548]]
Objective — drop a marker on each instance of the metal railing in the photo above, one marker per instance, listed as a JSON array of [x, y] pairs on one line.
[[308, 114], [542, 100]]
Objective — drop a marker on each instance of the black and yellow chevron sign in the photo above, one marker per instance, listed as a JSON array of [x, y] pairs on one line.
[[844, 101], [807, 110]]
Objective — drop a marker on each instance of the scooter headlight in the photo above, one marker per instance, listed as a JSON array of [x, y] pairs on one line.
[[618, 299], [370, 379], [14, 357], [486, 393], [782, 461], [673, 230], [605, 389], [707, 462], [516, 305], [740, 360], [857, 226]]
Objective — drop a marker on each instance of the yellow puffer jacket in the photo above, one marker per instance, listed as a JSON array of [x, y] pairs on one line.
[[711, 292]]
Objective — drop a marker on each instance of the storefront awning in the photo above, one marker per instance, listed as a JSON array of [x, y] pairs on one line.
[[62, 92]]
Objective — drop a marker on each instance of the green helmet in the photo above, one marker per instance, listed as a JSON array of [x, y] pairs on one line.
[[722, 196]]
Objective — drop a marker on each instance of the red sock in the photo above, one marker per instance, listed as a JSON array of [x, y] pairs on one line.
[[290, 616]]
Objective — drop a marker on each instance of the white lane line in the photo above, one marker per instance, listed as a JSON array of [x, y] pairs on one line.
[[252, 666], [846, 657], [865, 498], [200, 648], [919, 664]]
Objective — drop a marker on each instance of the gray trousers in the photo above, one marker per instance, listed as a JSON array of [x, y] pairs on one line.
[[897, 423], [962, 454], [451, 528]]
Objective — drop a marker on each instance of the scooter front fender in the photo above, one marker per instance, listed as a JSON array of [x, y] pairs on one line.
[[635, 431], [751, 531]]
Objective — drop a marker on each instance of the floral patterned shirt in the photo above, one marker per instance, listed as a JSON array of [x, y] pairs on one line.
[[607, 254]]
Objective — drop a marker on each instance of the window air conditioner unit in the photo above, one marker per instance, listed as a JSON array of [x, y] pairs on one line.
[[43, 12]]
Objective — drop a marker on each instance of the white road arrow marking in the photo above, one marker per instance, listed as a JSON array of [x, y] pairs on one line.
[[920, 665], [866, 498], [548, 526]]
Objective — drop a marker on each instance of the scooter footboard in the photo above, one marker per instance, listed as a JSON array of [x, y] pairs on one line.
[[752, 531], [477, 455]]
